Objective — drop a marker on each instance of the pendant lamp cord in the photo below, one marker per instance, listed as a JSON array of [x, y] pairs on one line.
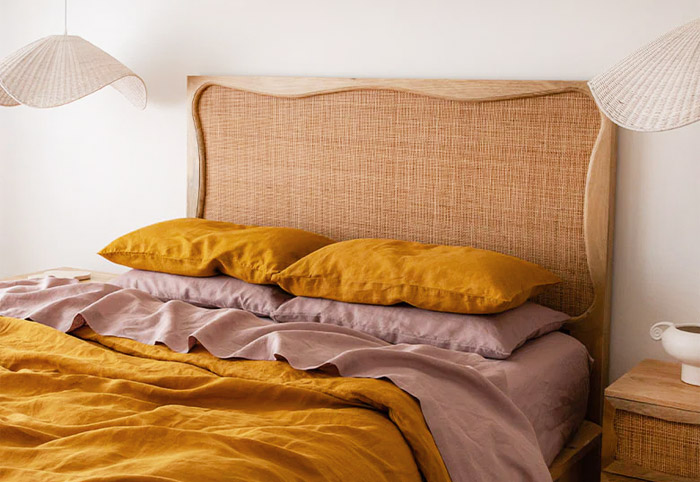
[[65, 17]]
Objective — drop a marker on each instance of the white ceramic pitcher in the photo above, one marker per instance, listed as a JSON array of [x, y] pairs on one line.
[[682, 342]]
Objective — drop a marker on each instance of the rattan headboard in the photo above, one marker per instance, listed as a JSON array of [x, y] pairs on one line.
[[524, 168]]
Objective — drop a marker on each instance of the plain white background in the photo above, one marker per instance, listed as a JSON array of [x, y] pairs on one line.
[[75, 177]]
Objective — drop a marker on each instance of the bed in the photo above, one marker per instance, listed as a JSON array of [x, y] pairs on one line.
[[521, 167], [524, 168]]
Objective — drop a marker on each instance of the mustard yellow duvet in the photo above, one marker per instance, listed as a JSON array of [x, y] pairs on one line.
[[87, 407]]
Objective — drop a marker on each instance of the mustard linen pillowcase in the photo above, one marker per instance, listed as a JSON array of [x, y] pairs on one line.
[[440, 278], [198, 247]]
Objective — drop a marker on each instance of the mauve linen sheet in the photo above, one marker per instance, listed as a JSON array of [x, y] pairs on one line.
[[481, 434], [548, 380]]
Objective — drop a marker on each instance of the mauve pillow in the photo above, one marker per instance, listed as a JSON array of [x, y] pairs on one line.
[[491, 336], [212, 292]]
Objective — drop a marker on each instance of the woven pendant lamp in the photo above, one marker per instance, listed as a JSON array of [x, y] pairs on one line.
[[59, 69], [656, 88]]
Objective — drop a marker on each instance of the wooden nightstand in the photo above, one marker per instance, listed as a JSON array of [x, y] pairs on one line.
[[98, 276], [651, 426]]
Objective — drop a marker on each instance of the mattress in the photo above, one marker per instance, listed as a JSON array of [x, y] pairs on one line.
[[548, 378]]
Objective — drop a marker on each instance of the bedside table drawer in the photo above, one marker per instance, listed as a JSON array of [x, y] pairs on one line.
[[656, 444], [651, 443]]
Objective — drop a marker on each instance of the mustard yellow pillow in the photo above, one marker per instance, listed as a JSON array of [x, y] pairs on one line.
[[439, 278], [197, 247]]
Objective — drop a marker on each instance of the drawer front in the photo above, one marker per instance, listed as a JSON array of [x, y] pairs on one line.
[[657, 445]]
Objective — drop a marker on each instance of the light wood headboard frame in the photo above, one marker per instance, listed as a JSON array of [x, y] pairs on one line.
[[591, 327]]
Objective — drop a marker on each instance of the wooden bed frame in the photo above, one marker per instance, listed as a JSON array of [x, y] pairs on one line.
[[522, 167]]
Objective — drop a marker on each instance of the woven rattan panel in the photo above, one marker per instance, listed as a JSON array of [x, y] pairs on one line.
[[668, 447], [503, 175]]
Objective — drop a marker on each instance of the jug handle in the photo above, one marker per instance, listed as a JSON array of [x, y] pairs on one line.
[[658, 329]]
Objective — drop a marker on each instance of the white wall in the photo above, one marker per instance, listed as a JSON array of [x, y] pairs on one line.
[[73, 178]]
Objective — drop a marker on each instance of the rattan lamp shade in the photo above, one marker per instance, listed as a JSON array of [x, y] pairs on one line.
[[59, 69], [656, 88]]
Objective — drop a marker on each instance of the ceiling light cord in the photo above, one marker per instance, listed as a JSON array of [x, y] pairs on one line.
[[65, 17]]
